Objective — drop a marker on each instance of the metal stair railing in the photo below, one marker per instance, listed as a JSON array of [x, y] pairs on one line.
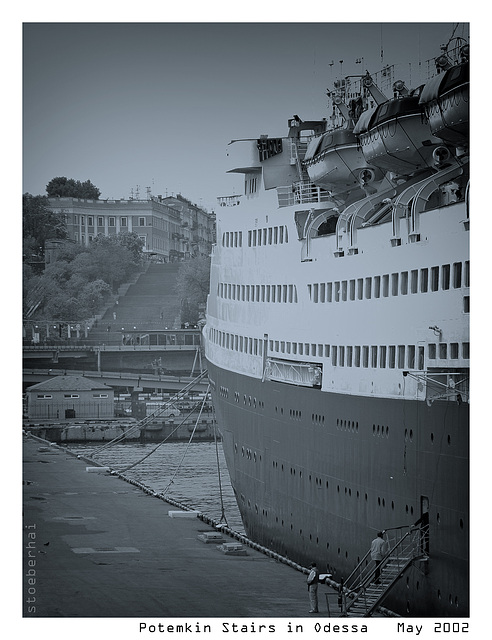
[[361, 594]]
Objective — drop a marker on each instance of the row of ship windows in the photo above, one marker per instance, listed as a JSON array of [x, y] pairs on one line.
[[284, 293], [409, 510], [48, 396], [366, 356], [256, 237], [394, 284]]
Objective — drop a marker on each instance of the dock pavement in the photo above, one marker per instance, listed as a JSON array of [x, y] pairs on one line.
[[95, 545]]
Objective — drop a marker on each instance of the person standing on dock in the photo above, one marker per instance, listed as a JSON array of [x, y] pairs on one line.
[[378, 546], [312, 582]]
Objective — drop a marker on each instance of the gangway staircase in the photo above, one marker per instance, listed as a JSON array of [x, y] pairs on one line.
[[361, 593]]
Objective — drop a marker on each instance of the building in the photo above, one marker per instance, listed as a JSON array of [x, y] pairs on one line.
[[68, 397], [172, 228]]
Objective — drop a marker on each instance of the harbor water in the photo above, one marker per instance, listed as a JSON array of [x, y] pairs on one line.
[[188, 473]]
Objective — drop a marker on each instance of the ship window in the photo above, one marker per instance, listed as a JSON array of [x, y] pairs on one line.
[[374, 357], [385, 285], [360, 284], [275, 235], [241, 344], [270, 236], [365, 356], [258, 235], [377, 286], [466, 350], [352, 290], [457, 268], [344, 290], [414, 276], [421, 358], [434, 284], [258, 293], [357, 356], [453, 350], [411, 356], [334, 355], [382, 357], [342, 356], [337, 291], [391, 356], [424, 280], [404, 283], [394, 284], [445, 276], [401, 356], [276, 345], [368, 288], [233, 291], [327, 350], [466, 304], [443, 351], [301, 348], [306, 348], [432, 351], [286, 235], [268, 293], [467, 274], [282, 346], [322, 291], [329, 292], [315, 292], [265, 231], [249, 238], [281, 235], [284, 293], [349, 356], [294, 348]]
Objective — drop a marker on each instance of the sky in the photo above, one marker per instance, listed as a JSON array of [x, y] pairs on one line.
[[140, 105]]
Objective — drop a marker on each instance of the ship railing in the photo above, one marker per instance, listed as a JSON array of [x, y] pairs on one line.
[[443, 385], [402, 543], [301, 193]]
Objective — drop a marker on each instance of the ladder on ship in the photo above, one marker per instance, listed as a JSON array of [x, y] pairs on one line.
[[361, 593]]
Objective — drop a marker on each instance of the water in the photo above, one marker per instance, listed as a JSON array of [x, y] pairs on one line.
[[187, 473]]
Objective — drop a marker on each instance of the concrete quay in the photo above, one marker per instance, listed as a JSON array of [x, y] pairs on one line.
[[96, 546]]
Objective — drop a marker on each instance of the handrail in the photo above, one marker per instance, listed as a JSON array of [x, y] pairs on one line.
[[364, 570]]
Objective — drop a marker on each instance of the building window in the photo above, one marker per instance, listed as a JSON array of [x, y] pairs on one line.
[[124, 222], [141, 222], [100, 221], [112, 222], [90, 221]]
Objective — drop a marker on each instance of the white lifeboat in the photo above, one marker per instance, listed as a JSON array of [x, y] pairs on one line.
[[445, 100], [396, 137], [334, 161]]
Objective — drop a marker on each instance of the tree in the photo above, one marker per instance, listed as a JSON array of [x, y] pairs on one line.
[[193, 280], [39, 224], [192, 286], [63, 187]]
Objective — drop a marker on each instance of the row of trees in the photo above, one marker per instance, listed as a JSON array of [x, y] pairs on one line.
[[82, 279]]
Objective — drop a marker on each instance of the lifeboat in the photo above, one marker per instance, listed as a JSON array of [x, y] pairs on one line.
[[395, 136], [334, 161], [445, 100]]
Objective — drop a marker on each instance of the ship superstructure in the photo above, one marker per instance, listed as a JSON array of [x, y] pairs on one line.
[[337, 332]]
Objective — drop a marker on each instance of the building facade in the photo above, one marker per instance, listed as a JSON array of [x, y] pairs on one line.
[[172, 228], [69, 397]]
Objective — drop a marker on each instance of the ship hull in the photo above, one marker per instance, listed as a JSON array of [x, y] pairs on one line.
[[316, 474]]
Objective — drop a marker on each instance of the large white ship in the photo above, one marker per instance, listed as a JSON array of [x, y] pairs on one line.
[[337, 336]]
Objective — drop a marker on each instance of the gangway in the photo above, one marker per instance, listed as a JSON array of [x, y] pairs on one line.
[[361, 593]]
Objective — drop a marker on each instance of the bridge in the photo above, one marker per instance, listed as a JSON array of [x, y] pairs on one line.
[[140, 381]]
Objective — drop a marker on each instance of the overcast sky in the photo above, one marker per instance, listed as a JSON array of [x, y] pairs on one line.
[[155, 104]]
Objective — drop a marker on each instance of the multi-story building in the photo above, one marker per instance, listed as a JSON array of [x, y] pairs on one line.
[[171, 228]]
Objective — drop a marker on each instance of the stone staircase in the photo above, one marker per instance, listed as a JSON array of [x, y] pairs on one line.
[[150, 303]]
